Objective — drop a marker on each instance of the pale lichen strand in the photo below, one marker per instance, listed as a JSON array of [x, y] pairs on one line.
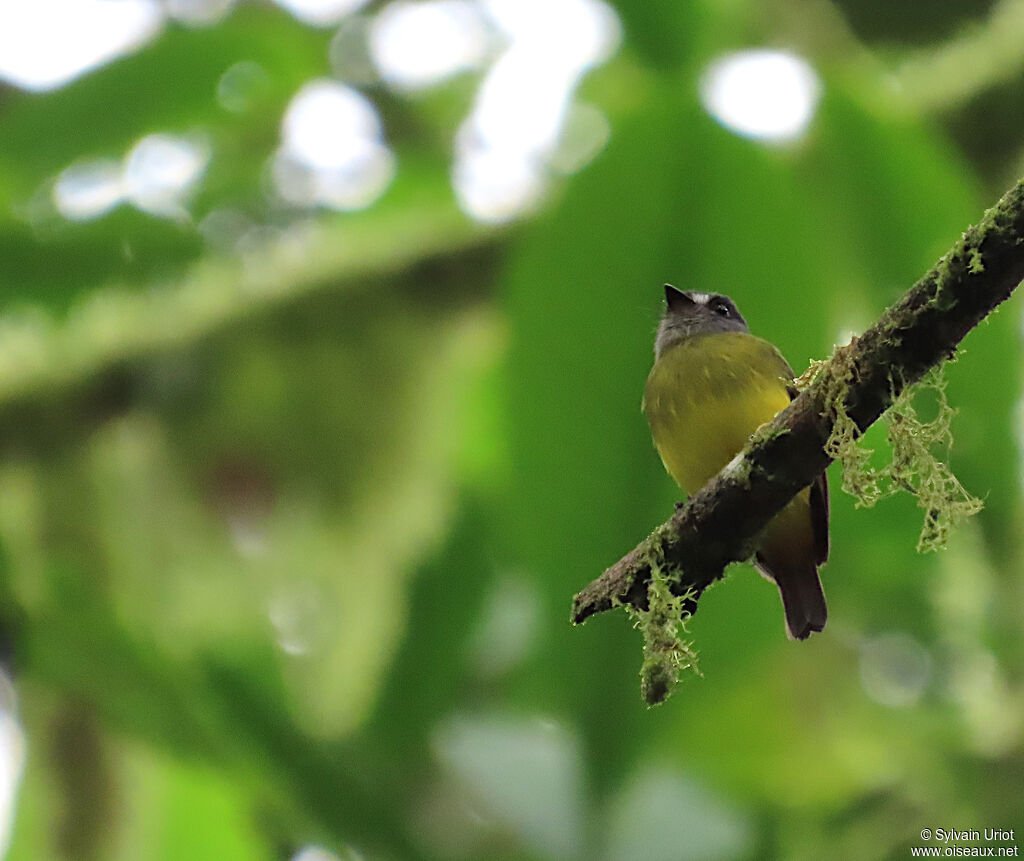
[[913, 466], [859, 479], [810, 375], [666, 654]]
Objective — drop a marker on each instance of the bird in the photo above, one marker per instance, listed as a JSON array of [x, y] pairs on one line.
[[712, 385]]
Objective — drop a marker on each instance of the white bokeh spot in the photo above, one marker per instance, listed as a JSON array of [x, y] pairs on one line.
[[161, 170], [509, 143], [12, 758], [762, 94], [321, 13], [328, 125], [47, 43], [493, 184], [332, 151], [198, 12], [88, 189], [417, 45]]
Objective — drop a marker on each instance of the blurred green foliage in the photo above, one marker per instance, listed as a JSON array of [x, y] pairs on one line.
[[289, 536]]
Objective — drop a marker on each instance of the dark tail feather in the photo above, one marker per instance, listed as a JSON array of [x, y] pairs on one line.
[[804, 603], [802, 599]]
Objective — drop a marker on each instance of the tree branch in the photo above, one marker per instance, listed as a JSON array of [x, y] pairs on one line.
[[718, 525]]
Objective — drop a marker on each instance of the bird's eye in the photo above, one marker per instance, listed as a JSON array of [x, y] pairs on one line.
[[721, 309]]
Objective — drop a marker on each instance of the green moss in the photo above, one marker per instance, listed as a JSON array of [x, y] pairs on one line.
[[975, 265], [743, 471], [945, 298], [666, 654], [913, 466], [767, 432]]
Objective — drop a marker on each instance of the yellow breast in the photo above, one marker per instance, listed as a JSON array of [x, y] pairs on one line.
[[706, 396]]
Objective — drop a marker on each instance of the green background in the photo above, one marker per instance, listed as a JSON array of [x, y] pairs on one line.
[[288, 540]]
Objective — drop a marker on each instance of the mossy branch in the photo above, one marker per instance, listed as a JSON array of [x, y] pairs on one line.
[[861, 381]]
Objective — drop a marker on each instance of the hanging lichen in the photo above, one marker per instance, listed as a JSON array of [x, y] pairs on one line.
[[913, 466], [860, 480], [666, 653]]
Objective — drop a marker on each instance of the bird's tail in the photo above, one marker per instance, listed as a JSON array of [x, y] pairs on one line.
[[802, 598]]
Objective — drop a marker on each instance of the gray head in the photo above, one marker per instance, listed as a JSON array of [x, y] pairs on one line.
[[688, 314]]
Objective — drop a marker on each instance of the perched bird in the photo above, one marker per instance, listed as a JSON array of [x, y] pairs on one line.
[[712, 385]]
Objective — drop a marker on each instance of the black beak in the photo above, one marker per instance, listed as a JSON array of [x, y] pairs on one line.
[[677, 300]]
